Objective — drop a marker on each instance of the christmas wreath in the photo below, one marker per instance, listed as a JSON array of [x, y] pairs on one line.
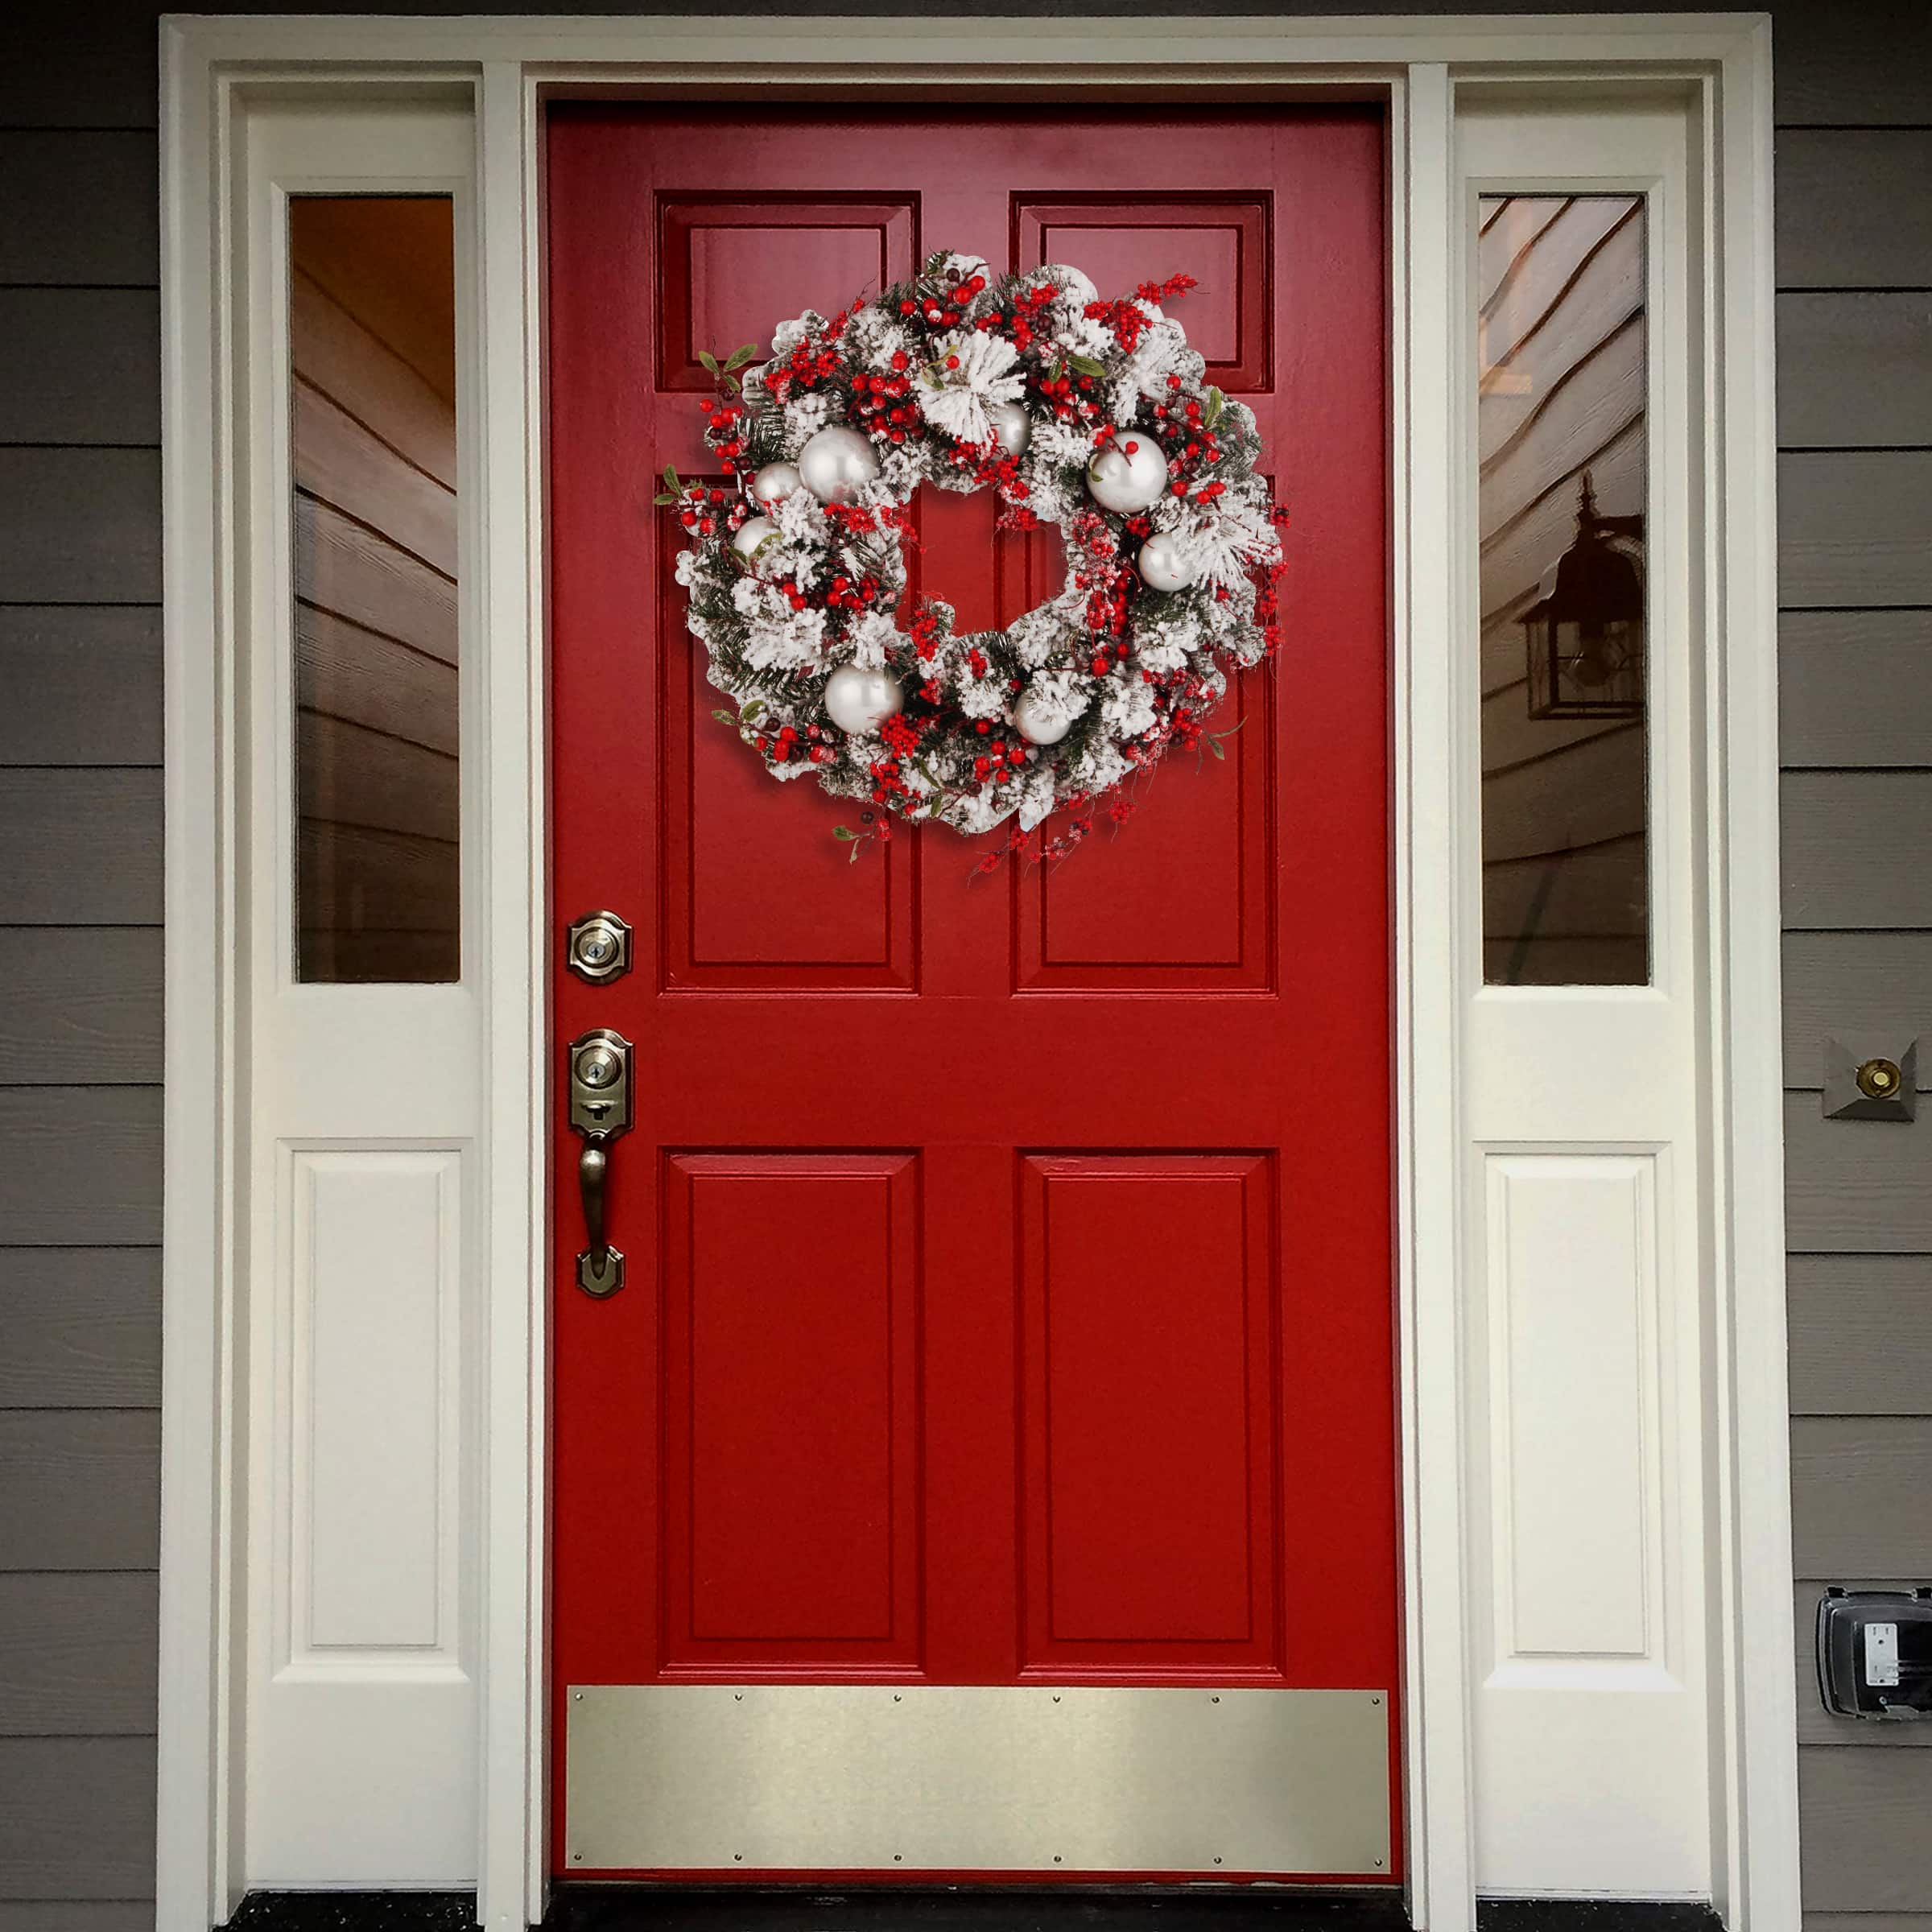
[[1090, 415]]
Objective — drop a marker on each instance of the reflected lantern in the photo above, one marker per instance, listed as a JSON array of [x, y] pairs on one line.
[[1586, 636]]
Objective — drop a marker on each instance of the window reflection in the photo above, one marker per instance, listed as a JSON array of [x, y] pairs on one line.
[[372, 306], [1563, 472]]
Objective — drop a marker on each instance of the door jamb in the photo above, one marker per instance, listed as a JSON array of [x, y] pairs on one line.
[[1415, 62]]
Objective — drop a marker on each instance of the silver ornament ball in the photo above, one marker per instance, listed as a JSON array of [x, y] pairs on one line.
[[1012, 427], [752, 534], [1040, 722], [836, 463], [1128, 474], [774, 483], [859, 701], [1164, 565]]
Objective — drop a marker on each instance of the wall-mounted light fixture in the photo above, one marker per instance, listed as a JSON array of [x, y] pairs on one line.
[[1586, 636]]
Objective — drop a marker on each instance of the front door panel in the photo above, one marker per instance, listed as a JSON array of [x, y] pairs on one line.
[[1007, 1310]]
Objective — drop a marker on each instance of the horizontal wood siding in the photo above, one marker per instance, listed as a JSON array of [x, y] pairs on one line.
[[1856, 686], [81, 1817], [80, 684], [1855, 323], [80, 838], [1855, 384], [77, 1655], [77, 365]]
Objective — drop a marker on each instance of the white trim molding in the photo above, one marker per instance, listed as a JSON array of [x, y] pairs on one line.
[[1719, 65]]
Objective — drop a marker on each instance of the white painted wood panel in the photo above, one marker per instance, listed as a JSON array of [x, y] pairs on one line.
[[374, 1431], [1572, 1291], [359, 1281], [1585, 1164]]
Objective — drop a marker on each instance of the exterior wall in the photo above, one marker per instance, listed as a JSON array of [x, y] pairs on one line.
[[80, 906]]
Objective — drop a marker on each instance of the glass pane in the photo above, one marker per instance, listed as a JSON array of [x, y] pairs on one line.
[[373, 352], [1563, 477]]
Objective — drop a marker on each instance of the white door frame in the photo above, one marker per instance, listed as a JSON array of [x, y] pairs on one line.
[[1721, 62]]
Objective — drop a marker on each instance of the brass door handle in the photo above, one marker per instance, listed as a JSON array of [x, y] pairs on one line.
[[600, 1109], [593, 1164]]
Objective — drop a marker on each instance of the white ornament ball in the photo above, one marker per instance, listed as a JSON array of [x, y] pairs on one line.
[[1041, 723], [1164, 565], [836, 463], [861, 701], [1012, 427], [1128, 474], [752, 534], [774, 483]]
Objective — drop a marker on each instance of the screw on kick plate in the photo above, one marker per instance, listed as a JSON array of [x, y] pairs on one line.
[[1378, 1862]]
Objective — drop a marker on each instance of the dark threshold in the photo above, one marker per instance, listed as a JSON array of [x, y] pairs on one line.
[[599, 1908]]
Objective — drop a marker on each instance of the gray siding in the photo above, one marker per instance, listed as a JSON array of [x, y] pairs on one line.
[[81, 966], [80, 903], [1855, 386]]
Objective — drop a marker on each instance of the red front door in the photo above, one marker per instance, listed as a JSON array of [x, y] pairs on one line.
[[1007, 1296]]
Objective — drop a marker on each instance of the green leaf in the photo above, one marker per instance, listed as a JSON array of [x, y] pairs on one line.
[[854, 859], [709, 361], [844, 833], [748, 712], [1214, 744], [1216, 402], [1086, 365], [724, 717], [739, 358], [671, 479], [664, 496]]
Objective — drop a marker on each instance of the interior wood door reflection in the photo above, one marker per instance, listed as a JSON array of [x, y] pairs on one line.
[[1009, 1292]]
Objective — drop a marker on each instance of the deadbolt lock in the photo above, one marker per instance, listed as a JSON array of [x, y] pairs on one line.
[[599, 950], [600, 1084]]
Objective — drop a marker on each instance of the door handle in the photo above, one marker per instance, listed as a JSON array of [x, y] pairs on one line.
[[600, 1110], [593, 1165]]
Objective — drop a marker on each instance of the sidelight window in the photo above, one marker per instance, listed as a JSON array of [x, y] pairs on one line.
[[373, 416], [1564, 466]]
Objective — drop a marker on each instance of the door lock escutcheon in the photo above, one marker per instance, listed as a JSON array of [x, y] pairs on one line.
[[600, 1111], [599, 948]]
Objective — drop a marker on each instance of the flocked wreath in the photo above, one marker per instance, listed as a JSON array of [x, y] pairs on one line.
[[1090, 415]]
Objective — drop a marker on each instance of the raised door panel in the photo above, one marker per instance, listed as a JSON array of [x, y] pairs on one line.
[[1121, 240], [791, 1404], [757, 892], [732, 266], [1148, 1403]]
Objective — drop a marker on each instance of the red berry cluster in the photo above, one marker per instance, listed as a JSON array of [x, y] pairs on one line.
[[1126, 319], [945, 309], [885, 406], [701, 511], [724, 434]]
